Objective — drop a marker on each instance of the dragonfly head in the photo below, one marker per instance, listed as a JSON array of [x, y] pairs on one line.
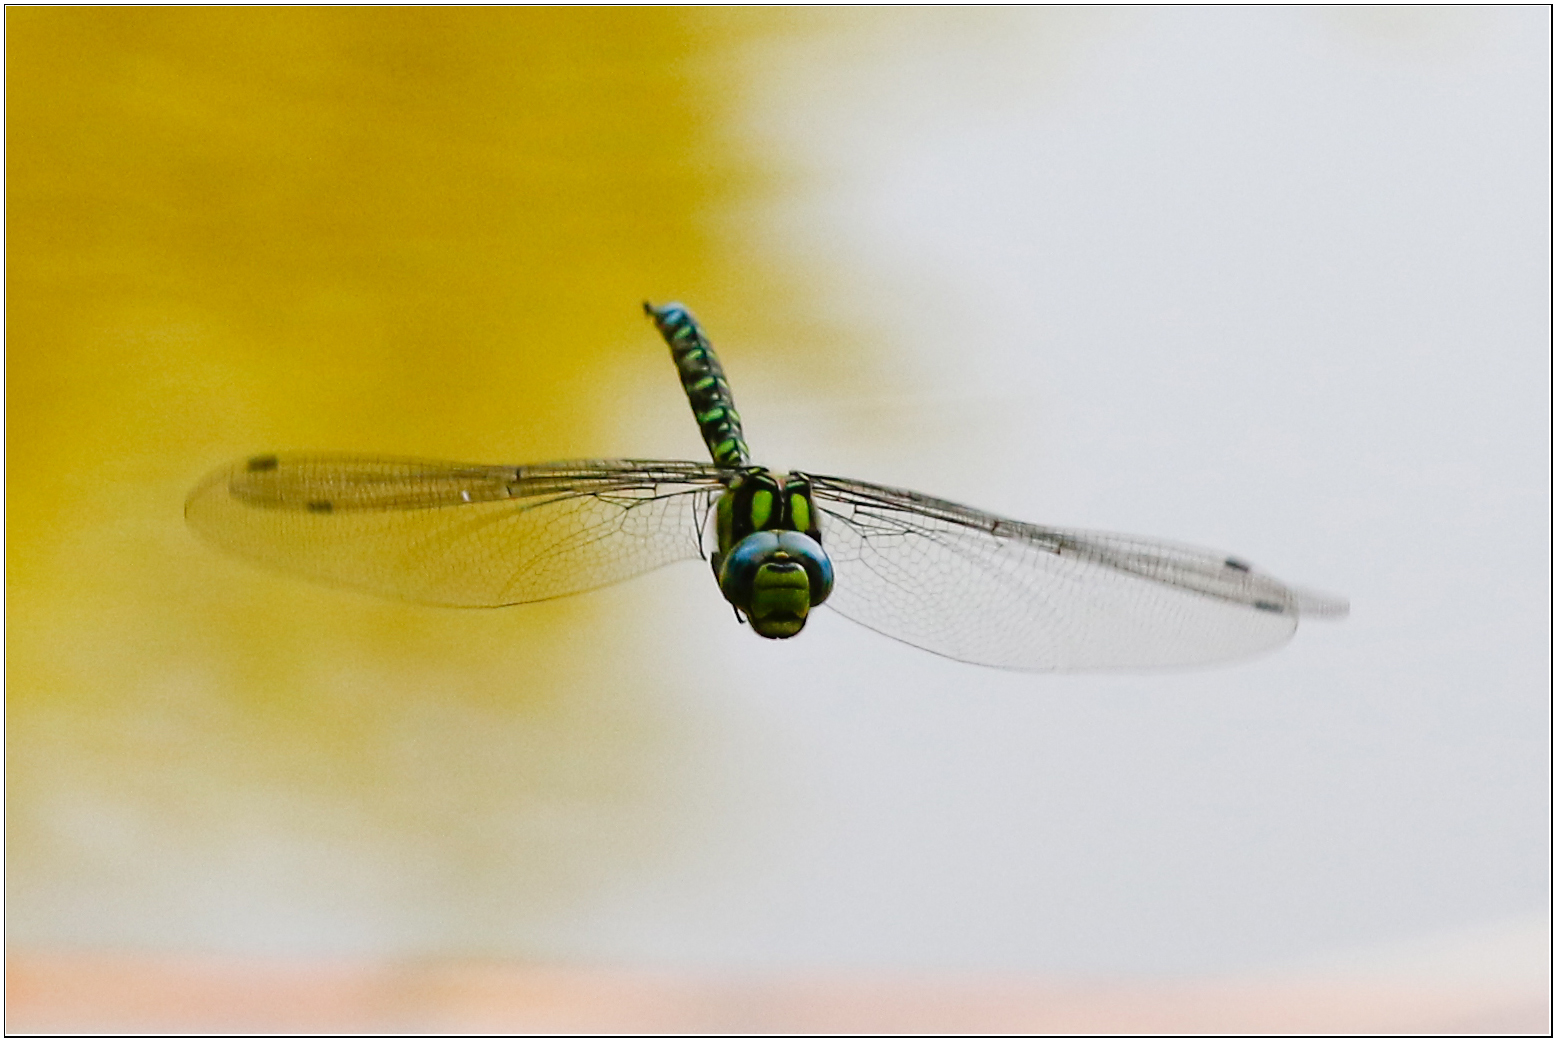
[[775, 577]]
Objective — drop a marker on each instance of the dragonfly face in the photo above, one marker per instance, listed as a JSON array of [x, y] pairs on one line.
[[769, 559]]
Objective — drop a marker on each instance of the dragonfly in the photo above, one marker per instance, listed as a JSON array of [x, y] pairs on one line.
[[952, 580]]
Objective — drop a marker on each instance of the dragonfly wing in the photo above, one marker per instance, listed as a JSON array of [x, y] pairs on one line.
[[456, 534], [984, 589]]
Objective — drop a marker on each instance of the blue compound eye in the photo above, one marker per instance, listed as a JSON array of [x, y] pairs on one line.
[[739, 569], [764, 559], [801, 548]]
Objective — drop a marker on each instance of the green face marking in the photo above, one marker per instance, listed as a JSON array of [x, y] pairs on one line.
[[781, 597]]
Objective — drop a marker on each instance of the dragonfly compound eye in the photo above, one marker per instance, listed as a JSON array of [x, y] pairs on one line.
[[775, 578]]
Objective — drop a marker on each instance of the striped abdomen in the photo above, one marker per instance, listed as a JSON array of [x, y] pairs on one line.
[[704, 382]]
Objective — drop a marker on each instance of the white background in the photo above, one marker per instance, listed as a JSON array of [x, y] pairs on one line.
[[1269, 280]]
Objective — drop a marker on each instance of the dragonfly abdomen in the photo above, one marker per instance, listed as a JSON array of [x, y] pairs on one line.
[[704, 381]]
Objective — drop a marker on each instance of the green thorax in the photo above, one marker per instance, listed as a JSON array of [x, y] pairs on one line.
[[763, 500], [704, 381]]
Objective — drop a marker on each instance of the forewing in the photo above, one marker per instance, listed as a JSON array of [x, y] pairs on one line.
[[456, 534], [985, 589]]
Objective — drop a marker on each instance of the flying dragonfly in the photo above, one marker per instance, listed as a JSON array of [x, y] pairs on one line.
[[935, 574]]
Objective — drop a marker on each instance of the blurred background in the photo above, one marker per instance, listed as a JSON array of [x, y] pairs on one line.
[[1268, 280]]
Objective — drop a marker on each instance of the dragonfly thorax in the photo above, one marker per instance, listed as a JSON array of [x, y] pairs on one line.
[[769, 561]]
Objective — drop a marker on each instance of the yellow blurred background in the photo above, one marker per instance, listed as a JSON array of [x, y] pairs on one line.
[[411, 231], [236, 801]]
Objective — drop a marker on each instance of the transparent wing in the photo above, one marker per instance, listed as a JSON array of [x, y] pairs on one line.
[[456, 534], [985, 589]]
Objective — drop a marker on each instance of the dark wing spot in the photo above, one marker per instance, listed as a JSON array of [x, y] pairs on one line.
[[262, 463], [1268, 606], [1237, 565], [321, 506]]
